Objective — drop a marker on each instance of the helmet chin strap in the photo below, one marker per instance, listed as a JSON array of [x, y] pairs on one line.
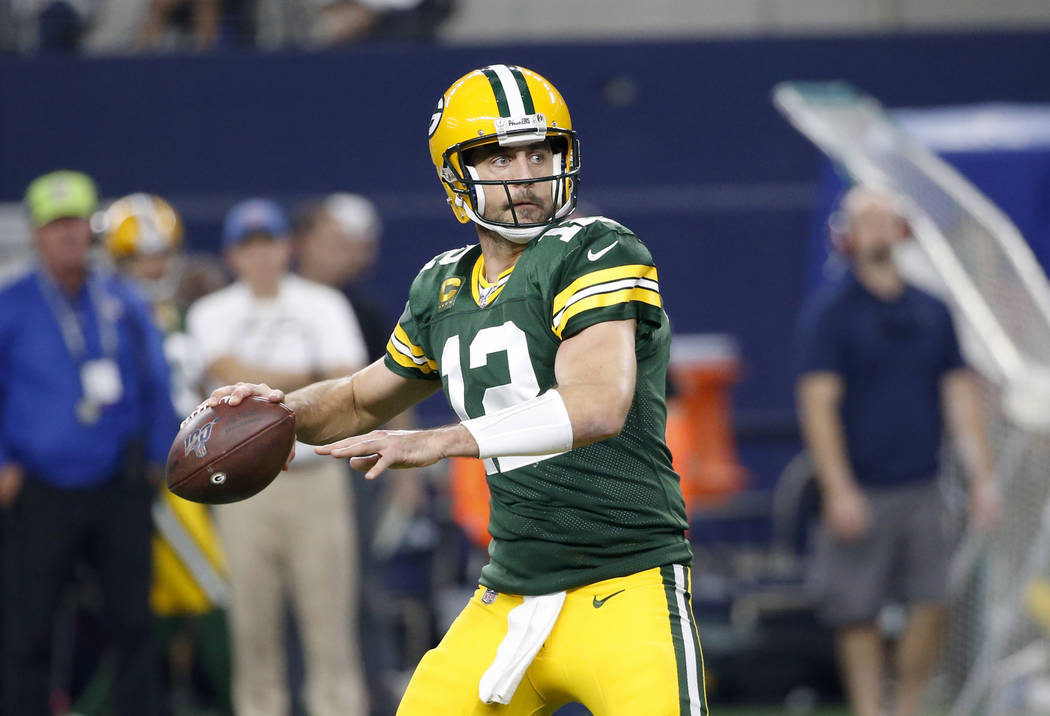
[[516, 234]]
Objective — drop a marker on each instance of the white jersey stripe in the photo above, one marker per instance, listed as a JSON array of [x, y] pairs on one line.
[[606, 288], [696, 707], [407, 352]]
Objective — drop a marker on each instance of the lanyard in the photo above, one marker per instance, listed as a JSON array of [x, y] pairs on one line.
[[72, 333]]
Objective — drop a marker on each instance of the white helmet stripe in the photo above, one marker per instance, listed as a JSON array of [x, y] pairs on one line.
[[149, 239], [510, 88]]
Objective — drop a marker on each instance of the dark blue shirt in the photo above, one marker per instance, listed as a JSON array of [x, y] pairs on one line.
[[40, 385], [891, 356]]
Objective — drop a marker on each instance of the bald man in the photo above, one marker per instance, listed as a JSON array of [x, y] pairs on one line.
[[880, 375]]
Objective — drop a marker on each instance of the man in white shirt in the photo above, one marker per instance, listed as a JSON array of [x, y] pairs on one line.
[[294, 539]]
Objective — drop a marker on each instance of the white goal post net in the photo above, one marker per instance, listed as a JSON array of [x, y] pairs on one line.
[[996, 659]]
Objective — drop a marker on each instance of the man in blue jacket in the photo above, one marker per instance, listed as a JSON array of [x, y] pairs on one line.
[[881, 377], [85, 425]]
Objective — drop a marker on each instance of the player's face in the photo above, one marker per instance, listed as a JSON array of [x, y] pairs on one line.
[[531, 202], [64, 244]]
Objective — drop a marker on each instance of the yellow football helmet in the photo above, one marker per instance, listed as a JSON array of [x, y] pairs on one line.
[[512, 106], [140, 225]]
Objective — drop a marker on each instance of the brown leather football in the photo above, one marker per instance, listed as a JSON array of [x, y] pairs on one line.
[[225, 454]]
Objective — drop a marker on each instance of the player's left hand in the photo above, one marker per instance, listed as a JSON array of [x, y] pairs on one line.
[[378, 450], [986, 507]]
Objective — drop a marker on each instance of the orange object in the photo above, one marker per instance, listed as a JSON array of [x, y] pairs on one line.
[[699, 419], [470, 498]]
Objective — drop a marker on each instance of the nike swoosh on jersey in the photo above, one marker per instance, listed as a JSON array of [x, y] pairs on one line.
[[594, 256], [599, 602]]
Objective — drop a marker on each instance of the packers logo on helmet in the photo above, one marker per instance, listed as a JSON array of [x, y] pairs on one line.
[[512, 106], [140, 224]]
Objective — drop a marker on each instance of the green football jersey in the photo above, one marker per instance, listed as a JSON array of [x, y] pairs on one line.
[[557, 521]]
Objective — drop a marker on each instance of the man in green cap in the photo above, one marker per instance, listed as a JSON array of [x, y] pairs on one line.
[[85, 416], [60, 205]]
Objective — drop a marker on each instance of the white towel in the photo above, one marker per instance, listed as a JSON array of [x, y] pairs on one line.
[[528, 626]]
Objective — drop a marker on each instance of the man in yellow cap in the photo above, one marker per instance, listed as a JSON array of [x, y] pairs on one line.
[[85, 416]]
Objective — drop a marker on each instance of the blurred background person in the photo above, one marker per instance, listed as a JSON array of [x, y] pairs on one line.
[[294, 539], [347, 21], [337, 242], [306, 23], [61, 25], [192, 24], [86, 421], [143, 235], [880, 375]]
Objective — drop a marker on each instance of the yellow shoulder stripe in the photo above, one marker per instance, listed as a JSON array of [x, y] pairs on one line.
[[602, 276], [407, 353], [423, 365], [602, 300], [400, 334]]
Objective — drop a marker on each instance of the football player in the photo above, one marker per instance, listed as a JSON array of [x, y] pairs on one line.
[[550, 341]]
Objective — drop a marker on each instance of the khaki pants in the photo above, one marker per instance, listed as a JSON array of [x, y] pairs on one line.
[[294, 539]]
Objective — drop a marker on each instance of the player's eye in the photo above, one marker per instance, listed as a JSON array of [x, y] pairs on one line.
[[540, 156]]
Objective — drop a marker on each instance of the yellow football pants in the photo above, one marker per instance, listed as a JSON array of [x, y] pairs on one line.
[[622, 647]]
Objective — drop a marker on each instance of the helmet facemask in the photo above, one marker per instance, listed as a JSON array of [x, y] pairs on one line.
[[463, 179]]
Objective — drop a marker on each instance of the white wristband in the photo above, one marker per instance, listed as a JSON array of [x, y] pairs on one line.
[[538, 426]]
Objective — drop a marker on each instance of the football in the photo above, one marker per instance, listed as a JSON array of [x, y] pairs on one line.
[[225, 454]]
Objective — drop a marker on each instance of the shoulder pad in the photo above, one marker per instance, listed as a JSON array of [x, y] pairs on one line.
[[433, 280], [447, 258], [584, 230]]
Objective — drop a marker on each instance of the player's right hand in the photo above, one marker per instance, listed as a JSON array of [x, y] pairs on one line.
[[847, 513], [234, 394]]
